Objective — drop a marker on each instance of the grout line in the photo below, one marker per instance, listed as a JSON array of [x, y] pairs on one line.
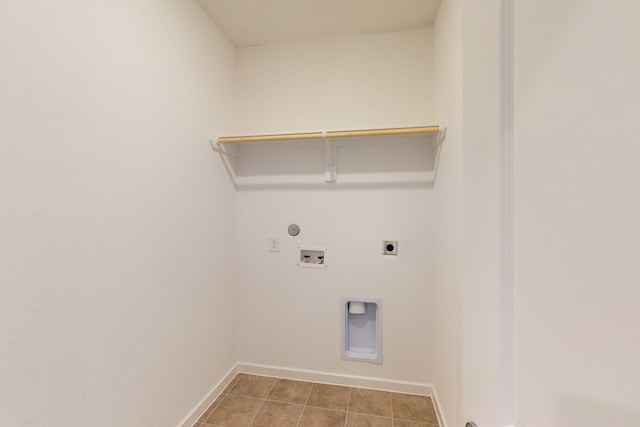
[[348, 405], [284, 401], [263, 400], [232, 384], [308, 395], [256, 414], [289, 402], [305, 404], [214, 405], [391, 407], [222, 397]]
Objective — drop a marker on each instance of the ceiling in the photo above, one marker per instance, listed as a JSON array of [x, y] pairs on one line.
[[253, 22]]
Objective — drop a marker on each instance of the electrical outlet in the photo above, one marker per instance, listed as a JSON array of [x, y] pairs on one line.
[[389, 247]]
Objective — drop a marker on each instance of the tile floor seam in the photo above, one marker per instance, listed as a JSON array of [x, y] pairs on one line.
[[283, 401], [348, 403], [224, 396], [305, 404], [206, 410], [213, 406], [346, 417], [402, 417], [262, 403], [257, 412]]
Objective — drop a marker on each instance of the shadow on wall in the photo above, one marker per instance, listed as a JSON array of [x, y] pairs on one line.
[[592, 413], [376, 163]]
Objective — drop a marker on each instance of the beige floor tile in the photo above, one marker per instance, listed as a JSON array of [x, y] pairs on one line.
[[413, 408], [290, 391], [318, 417], [234, 411], [277, 414], [404, 423], [361, 420], [210, 409], [232, 383], [257, 401], [371, 402], [253, 386], [206, 414], [329, 396]]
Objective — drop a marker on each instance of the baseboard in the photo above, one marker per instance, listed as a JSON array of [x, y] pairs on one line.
[[436, 402], [423, 389], [202, 406], [337, 379]]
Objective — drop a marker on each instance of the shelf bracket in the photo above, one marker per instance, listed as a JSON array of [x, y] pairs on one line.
[[217, 147], [435, 147], [329, 159], [440, 137]]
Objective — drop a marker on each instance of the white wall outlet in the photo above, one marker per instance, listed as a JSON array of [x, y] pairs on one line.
[[389, 247], [274, 244]]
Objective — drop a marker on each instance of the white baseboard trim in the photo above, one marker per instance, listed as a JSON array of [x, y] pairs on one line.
[[337, 379], [436, 402], [423, 389], [202, 406]]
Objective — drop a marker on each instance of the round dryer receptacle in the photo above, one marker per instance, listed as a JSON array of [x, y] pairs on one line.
[[390, 247], [294, 230]]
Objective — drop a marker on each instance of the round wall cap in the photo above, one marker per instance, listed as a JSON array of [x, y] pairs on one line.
[[294, 229]]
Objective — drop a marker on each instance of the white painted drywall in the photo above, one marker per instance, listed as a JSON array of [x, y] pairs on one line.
[[448, 239], [290, 316], [348, 82], [481, 309], [250, 23], [117, 221], [577, 203]]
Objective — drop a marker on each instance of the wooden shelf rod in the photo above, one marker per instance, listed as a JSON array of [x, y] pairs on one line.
[[329, 135]]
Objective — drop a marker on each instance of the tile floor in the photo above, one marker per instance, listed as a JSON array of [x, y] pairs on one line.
[[257, 401]]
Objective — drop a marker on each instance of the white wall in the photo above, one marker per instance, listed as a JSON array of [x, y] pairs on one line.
[[577, 175], [349, 82], [117, 302], [289, 316], [448, 239], [481, 309]]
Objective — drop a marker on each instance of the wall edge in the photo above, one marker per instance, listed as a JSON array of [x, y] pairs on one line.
[[209, 398], [384, 384]]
